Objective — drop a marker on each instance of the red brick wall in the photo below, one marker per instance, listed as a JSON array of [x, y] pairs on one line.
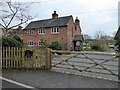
[[61, 36], [71, 32], [64, 36]]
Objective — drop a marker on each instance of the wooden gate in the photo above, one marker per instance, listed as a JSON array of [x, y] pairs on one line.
[[13, 57], [97, 65]]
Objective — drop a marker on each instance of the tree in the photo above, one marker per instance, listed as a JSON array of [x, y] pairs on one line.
[[100, 40], [99, 34], [18, 39], [13, 14], [86, 37]]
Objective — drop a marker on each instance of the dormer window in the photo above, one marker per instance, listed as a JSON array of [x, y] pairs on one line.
[[30, 32], [54, 30], [41, 31]]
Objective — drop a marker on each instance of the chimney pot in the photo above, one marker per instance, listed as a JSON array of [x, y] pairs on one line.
[[54, 15], [77, 21]]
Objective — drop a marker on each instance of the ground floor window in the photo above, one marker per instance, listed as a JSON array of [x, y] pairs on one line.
[[30, 43]]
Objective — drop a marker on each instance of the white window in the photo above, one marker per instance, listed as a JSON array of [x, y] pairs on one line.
[[30, 43], [30, 32], [41, 31], [55, 30]]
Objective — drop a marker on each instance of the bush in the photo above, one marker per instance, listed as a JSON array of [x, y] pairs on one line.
[[54, 45], [18, 39], [10, 42], [42, 42], [96, 47]]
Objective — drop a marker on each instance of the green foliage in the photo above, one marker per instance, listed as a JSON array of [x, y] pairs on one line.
[[10, 42], [42, 42], [54, 45], [96, 47], [18, 39]]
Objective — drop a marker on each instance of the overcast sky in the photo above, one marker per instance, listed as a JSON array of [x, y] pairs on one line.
[[93, 14]]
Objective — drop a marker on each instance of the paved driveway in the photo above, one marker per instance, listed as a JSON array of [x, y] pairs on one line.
[[49, 79]]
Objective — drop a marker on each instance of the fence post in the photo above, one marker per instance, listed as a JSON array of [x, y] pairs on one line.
[[47, 58], [49, 61]]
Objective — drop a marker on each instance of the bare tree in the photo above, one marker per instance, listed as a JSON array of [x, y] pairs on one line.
[[101, 39], [13, 14], [86, 37], [99, 34]]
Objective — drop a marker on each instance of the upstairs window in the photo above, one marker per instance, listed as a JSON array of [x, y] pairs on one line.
[[30, 32], [41, 31], [55, 30], [30, 43]]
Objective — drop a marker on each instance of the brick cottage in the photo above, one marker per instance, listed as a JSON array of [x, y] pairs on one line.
[[62, 29]]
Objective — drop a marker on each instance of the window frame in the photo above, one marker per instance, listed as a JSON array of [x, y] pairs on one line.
[[41, 30], [54, 30], [28, 43], [29, 32]]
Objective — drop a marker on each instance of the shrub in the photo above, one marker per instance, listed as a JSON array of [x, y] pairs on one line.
[[96, 47], [54, 45], [42, 42], [18, 39], [10, 42]]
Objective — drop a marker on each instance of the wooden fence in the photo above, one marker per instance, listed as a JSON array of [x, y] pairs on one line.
[[13, 57], [44, 58], [84, 62]]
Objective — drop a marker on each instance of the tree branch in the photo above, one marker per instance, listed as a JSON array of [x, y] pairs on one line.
[[10, 6], [3, 22], [14, 12], [18, 24], [11, 19], [3, 26]]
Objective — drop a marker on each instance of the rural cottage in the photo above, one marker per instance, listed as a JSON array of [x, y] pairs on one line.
[[62, 29]]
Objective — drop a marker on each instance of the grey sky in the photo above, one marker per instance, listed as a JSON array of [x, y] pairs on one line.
[[93, 14]]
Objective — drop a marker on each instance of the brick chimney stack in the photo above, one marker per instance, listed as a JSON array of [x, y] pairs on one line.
[[77, 25], [54, 15], [77, 22]]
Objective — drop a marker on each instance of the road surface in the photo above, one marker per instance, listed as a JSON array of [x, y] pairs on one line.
[[49, 79]]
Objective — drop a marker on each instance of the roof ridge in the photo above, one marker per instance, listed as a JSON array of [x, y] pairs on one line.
[[60, 21], [51, 18]]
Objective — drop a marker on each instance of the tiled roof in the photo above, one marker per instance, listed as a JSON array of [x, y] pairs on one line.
[[61, 21]]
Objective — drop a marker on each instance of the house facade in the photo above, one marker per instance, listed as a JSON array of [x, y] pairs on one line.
[[62, 29]]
